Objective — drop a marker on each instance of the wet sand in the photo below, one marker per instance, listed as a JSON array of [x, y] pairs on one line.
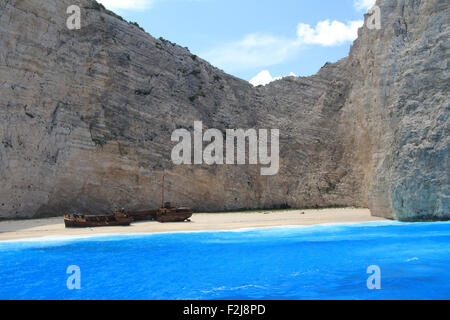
[[51, 227]]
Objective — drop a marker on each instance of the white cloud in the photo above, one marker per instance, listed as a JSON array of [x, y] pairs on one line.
[[328, 33], [262, 50], [127, 4], [364, 5], [264, 77], [253, 51]]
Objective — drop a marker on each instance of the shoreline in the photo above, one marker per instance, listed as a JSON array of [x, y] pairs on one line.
[[54, 227]]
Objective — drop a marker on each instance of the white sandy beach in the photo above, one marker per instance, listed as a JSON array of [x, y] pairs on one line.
[[37, 228]]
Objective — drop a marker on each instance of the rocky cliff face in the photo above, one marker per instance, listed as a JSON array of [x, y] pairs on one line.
[[398, 108], [86, 118]]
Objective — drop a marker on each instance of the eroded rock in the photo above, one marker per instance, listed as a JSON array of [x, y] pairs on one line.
[[86, 118]]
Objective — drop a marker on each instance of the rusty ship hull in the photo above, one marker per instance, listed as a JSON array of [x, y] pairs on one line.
[[173, 214], [147, 215], [83, 221]]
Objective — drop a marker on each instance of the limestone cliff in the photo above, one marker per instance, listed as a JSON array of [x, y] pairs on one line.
[[398, 108], [86, 118]]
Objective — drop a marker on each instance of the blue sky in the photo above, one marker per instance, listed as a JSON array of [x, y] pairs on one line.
[[246, 38]]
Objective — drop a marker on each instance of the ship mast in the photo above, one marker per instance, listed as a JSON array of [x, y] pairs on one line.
[[162, 203]]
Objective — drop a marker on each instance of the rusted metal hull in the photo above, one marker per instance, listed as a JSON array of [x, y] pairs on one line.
[[82, 221], [173, 214], [166, 214], [148, 215]]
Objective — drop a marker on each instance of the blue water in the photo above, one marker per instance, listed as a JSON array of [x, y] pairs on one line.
[[317, 262]]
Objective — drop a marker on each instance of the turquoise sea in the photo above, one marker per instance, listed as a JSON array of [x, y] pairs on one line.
[[313, 262]]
